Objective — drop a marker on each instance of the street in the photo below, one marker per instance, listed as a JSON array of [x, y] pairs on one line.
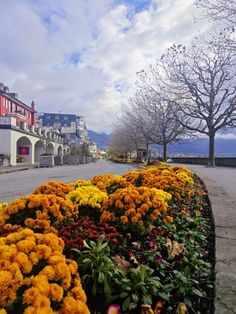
[[20, 183]]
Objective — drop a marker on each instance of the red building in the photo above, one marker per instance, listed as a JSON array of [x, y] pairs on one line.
[[10, 105]]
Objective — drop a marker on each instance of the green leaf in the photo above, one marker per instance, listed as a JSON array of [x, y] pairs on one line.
[[164, 296], [101, 277], [135, 297], [124, 295], [126, 303], [197, 292]]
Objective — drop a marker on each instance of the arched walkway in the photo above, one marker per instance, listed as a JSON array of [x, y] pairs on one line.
[[24, 150], [39, 149], [59, 150], [50, 149]]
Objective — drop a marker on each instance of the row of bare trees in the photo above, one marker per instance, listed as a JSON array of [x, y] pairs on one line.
[[186, 92]]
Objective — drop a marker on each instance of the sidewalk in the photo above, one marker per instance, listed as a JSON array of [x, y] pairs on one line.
[[221, 184], [7, 169]]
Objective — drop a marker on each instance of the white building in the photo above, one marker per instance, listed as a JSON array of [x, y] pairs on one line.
[[19, 144]]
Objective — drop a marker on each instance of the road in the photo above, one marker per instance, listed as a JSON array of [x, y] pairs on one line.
[[17, 184]]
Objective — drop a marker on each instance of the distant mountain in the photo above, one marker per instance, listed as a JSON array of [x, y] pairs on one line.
[[101, 139], [197, 147]]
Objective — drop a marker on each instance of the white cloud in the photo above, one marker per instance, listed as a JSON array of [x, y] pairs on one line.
[[82, 56], [229, 136]]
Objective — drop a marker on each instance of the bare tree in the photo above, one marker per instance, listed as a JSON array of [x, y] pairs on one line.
[[134, 115], [126, 138], [203, 83], [152, 115], [223, 10]]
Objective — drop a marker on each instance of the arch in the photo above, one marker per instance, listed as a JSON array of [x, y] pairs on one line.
[[39, 149], [59, 150], [24, 150], [50, 149]]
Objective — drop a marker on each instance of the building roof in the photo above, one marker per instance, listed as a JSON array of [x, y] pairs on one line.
[[62, 118], [15, 100]]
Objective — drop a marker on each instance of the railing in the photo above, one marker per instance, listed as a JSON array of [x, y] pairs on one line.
[[219, 161]]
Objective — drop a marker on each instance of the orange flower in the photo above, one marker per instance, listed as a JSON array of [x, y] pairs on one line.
[[124, 219]]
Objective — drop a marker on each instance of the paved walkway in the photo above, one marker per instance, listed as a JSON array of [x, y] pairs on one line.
[[221, 185], [8, 169]]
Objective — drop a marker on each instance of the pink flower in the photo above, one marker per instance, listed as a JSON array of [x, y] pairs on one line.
[[114, 309]]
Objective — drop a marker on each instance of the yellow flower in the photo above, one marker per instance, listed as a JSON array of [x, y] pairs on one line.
[[72, 266], [56, 292], [24, 262], [169, 219], [43, 251], [72, 306], [30, 295], [49, 272]]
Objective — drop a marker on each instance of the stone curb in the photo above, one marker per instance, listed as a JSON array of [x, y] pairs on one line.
[[224, 214]]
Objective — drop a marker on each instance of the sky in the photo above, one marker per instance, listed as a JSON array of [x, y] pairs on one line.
[[82, 56]]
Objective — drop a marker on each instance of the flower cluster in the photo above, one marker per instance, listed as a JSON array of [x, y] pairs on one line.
[[135, 206], [177, 181], [36, 276], [110, 183], [89, 199], [39, 212], [2, 205], [79, 183], [75, 234], [54, 187]]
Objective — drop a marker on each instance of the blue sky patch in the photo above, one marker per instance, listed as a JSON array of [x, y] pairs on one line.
[[73, 59], [136, 5]]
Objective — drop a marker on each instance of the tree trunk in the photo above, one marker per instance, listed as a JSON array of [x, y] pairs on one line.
[[211, 157], [146, 157], [165, 152]]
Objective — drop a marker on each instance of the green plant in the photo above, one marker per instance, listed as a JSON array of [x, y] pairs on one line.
[[139, 287], [98, 273]]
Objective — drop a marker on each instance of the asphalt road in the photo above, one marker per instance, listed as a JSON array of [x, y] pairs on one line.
[[20, 183]]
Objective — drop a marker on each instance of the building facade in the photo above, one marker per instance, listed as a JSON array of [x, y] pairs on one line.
[[20, 138], [72, 126], [11, 106]]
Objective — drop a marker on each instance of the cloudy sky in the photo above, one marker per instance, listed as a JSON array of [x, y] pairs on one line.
[[81, 56]]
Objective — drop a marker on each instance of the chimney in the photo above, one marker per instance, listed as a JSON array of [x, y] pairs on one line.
[[14, 95], [1, 86], [6, 89], [33, 105], [33, 115]]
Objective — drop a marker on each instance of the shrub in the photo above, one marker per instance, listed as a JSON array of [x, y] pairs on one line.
[[53, 187], [135, 207], [35, 277], [39, 212]]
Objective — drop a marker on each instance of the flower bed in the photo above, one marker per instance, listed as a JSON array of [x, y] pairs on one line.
[[137, 243]]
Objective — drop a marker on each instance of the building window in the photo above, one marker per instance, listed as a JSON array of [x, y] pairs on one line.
[[57, 117], [65, 118], [48, 117]]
